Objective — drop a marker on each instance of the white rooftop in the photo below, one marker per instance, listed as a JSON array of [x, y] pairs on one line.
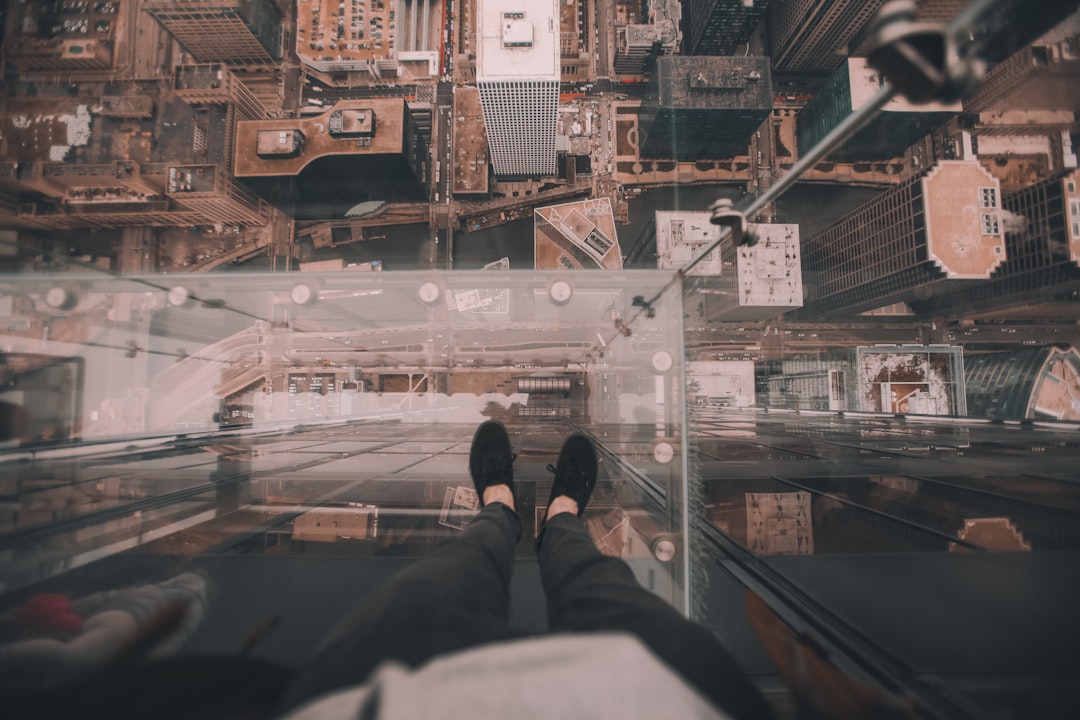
[[518, 40], [767, 274], [770, 272], [680, 235]]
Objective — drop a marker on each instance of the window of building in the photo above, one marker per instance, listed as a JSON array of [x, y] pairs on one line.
[[990, 224], [988, 197]]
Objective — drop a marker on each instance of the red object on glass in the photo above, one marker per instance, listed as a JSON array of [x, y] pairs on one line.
[[47, 614]]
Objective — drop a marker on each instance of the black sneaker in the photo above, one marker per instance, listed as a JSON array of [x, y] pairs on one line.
[[491, 461], [575, 472]]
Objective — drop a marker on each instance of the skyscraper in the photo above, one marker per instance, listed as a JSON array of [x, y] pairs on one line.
[[704, 108], [717, 27], [319, 167], [911, 243], [637, 45], [813, 35], [1042, 76], [210, 191], [236, 32], [1042, 247], [517, 71], [892, 130], [49, 37], [182, 180], [215, 84]]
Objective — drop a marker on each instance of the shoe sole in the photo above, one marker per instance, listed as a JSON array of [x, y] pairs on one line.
[[496, 433], [582, 446]]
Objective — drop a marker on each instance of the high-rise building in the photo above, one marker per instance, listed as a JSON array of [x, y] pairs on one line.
[[1025, 383], [517, 71], [182, 179], [318, 167], [575, 44], [74, 37], [210, 191], [636, 46], [813, 35], [215, 84], [704, 108], [236, 32], [939, 11], [1042, 248], [1042, 76], [892, 130], [718, 27], [916, 241]]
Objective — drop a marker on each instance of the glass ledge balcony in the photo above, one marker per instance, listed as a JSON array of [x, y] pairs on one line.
[[297, 438]]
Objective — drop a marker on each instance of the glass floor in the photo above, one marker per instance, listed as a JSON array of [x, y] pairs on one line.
[[286, 442]]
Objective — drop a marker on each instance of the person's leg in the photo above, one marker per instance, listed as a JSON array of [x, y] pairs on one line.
[[457, 597], [589, 591]]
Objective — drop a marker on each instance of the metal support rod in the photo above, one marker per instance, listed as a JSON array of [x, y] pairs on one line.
[[836, 137]]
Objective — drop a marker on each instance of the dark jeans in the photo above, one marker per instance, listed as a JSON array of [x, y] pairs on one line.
[[459, 597]]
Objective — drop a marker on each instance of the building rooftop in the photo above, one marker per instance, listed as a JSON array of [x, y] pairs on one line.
[[204, 76], [770, 272], [516, 41], [192, 179], [682, 234], [344, 33], [140, 107], [964, 230], [1028, 382], [44, 129], [577, 235], [666, 17], [570, 40], [766, 275], [1071, 188], [912, 380], [470, 146], [726, 383], [637, 35], [337, 131], [70, 31], [710, 83]]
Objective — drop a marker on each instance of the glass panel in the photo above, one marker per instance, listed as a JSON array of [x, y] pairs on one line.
[[328, 414]]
